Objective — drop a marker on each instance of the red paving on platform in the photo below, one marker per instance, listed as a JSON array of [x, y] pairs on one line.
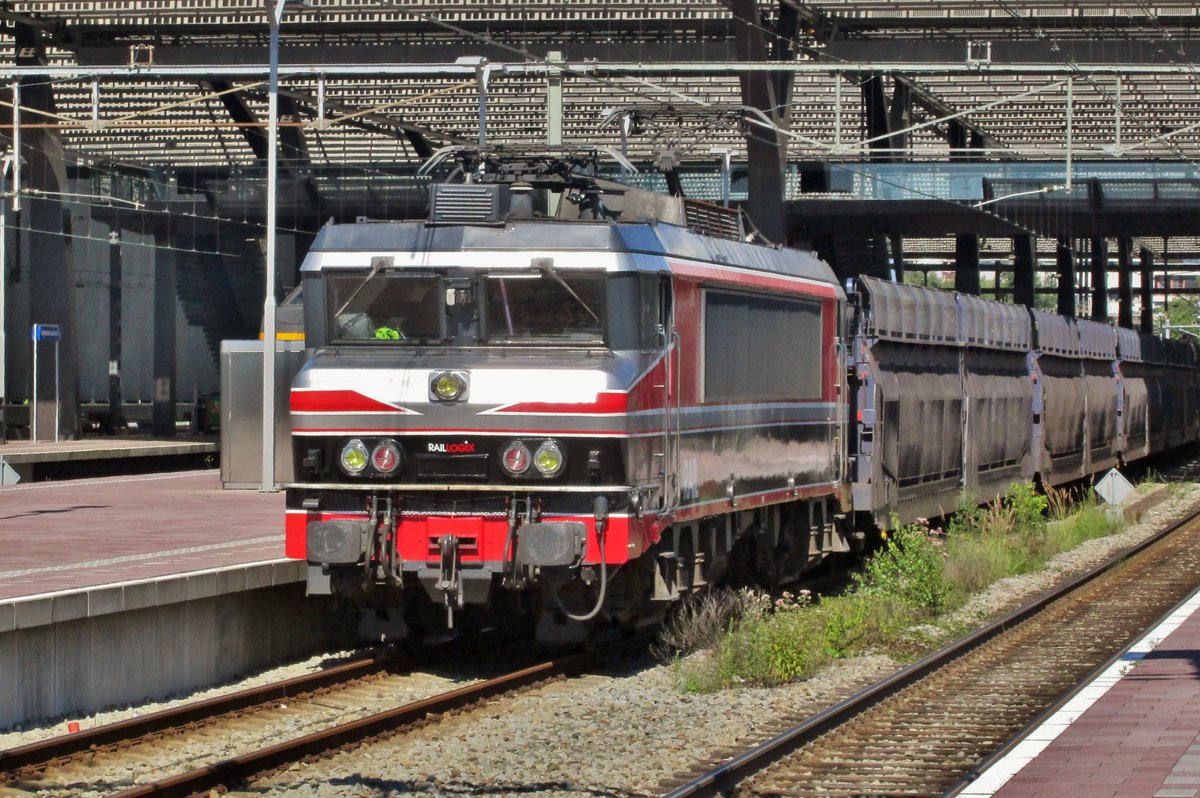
[[83, 533], [1133, 732]]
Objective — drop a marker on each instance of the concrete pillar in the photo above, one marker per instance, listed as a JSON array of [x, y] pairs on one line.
[[766, 148], [875, 110], [164, 337], [899, 117], [956, 136], [1024, 267], [52, 301], [966, 263], [115, 399], [1125, 283], [1100, 279], [554, 101], [51, 293], [1147, 292], [1066, 278]]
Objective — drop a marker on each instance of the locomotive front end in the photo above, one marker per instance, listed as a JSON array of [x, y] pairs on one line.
[[461, 432]]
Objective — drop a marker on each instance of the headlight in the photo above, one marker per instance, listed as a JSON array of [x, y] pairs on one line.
[[548, 459], [353, 458], [448, 385], [516, 458], [386, 457]]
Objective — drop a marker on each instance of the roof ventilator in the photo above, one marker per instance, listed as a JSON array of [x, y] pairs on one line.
[[713, 220], [468, 203]]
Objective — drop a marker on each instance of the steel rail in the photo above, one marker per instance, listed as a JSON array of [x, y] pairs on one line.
[[45, 751], [726, 776], [242, 768]]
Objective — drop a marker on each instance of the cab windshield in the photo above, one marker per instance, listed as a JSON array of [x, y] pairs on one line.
[[385, 307], [467, 308], [545, 307]]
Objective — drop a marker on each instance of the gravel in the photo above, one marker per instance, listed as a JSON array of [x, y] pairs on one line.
[[618, 733], [608, 734]]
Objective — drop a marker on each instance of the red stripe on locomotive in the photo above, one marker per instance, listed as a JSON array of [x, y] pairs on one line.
[[318, 401], [605, 403]]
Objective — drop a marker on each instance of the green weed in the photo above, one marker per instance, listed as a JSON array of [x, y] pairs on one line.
[[920, 573]]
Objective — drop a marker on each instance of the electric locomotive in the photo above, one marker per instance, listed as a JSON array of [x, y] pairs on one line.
[[560, 398]]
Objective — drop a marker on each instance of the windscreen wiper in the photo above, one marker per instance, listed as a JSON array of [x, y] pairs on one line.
[[377, 264], [546, 267]]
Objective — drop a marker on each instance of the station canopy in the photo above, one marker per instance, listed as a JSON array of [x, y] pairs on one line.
[[374, 88], [182, 82]]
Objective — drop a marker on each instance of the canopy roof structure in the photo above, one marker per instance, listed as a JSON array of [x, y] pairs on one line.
[[370, 89], [161, 83]]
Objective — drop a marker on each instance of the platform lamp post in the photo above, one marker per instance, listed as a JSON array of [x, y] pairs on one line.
[[6, 162], [275, 10]]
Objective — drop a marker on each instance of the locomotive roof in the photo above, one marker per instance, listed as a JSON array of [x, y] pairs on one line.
[[650, 238]]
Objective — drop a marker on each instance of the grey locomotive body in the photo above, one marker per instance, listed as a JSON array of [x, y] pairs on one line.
[[586, 413]]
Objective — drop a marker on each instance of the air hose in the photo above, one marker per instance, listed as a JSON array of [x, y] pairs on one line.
[[601, 514]]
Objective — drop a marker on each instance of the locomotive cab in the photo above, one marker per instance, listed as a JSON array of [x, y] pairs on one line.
[[463, 422]]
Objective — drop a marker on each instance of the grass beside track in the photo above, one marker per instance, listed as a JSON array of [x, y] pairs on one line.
[[911, 583]]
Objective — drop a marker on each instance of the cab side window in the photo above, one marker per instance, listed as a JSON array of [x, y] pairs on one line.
[[655, 311]]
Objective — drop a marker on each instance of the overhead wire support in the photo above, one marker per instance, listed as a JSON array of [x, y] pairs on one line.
[[600, 71], [1070, 107], [275, 9], [761, 120], [1034, 192], [95, 122], [1088, 72], [16, 140], [595, 69], [37, 192]]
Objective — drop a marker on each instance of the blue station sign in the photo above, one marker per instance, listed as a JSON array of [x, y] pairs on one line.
[[47, 332]]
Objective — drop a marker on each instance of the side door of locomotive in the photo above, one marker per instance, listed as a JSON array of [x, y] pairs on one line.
[[673, 414], [661, 334]]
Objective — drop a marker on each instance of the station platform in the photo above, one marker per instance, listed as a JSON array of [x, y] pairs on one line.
[[1132, 732], [124, 589], [86, 534], [29, 461]]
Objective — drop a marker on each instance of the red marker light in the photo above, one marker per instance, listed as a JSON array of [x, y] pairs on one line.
[[386, 457], [516, 458]]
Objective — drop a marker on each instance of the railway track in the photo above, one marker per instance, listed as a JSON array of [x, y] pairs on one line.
[[27, 760], [928, 728], [105, 760]]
